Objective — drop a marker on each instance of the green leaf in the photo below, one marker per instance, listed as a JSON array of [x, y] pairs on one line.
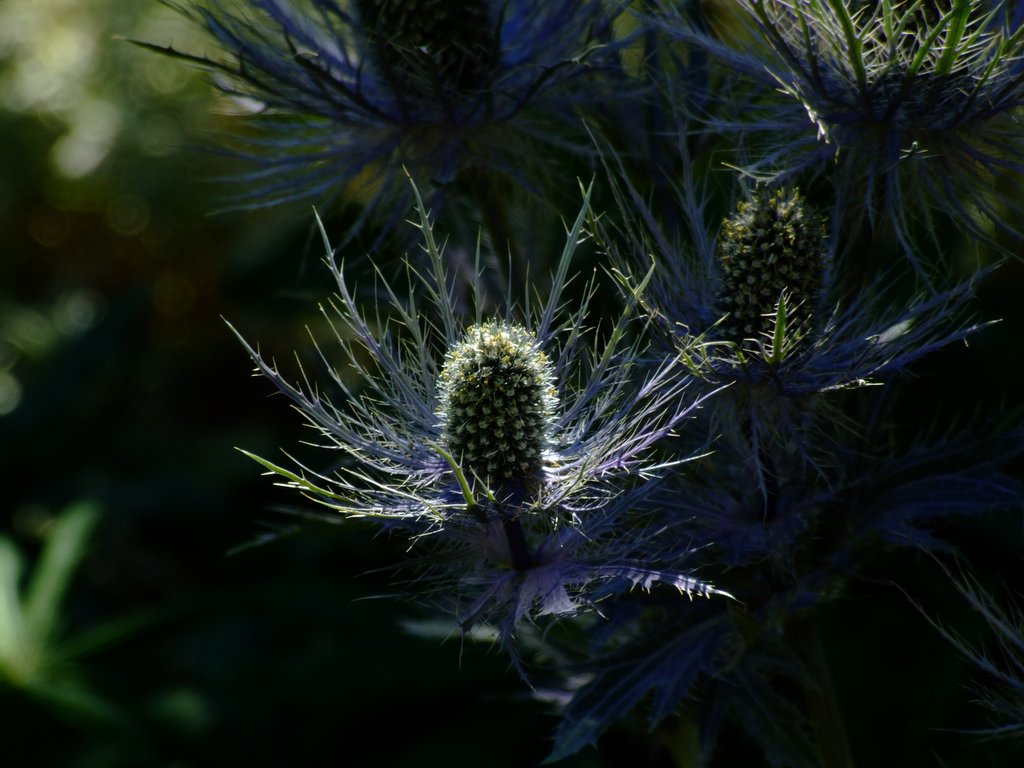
[[65, 547], [14, 639], [957, 20], [854, 45]]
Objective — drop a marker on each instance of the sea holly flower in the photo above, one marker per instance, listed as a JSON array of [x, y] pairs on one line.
[[784, 440], [913, 115], [776, 321], [803, 486], [771, 250], [349, 94], [771, 254], [497, 403], [516, 451]]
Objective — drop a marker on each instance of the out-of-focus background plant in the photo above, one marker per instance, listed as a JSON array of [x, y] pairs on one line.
[[139, 623]]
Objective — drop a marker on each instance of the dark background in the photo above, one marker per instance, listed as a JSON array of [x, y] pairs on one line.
[[121, 388]]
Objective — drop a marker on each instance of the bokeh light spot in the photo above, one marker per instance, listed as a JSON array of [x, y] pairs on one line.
[[80, 151], [75, 311], [29, 330]]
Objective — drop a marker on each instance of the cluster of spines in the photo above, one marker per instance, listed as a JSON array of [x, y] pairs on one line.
[[771, 246], [497, 403]]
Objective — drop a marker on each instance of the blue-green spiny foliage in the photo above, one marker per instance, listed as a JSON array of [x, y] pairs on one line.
[[998, 668], [343, 96]]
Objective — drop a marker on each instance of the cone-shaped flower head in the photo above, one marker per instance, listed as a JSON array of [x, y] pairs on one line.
[[848, 342], [497, 403], [771, 246]]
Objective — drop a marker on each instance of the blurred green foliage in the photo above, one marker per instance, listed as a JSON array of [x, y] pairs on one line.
[[32, 658]]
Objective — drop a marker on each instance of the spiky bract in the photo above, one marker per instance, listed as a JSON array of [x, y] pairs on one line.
[[497, 403], [1000, 682], [772, 246]]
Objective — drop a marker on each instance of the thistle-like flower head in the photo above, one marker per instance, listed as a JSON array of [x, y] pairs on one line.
[[770, 265], [516, 450], [772, 247], [350, 93], [823, 341], [497, 403]]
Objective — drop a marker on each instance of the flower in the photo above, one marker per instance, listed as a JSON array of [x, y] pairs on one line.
[[803, 486], [784, 438], [497, 403], [350, 94], [913, 116], [771, 248], [516, 451], [812, 341]]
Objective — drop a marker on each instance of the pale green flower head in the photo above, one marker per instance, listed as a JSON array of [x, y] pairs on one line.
[[497, 403]]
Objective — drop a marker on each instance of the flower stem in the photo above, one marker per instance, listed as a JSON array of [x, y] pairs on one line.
[[517, 547]]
